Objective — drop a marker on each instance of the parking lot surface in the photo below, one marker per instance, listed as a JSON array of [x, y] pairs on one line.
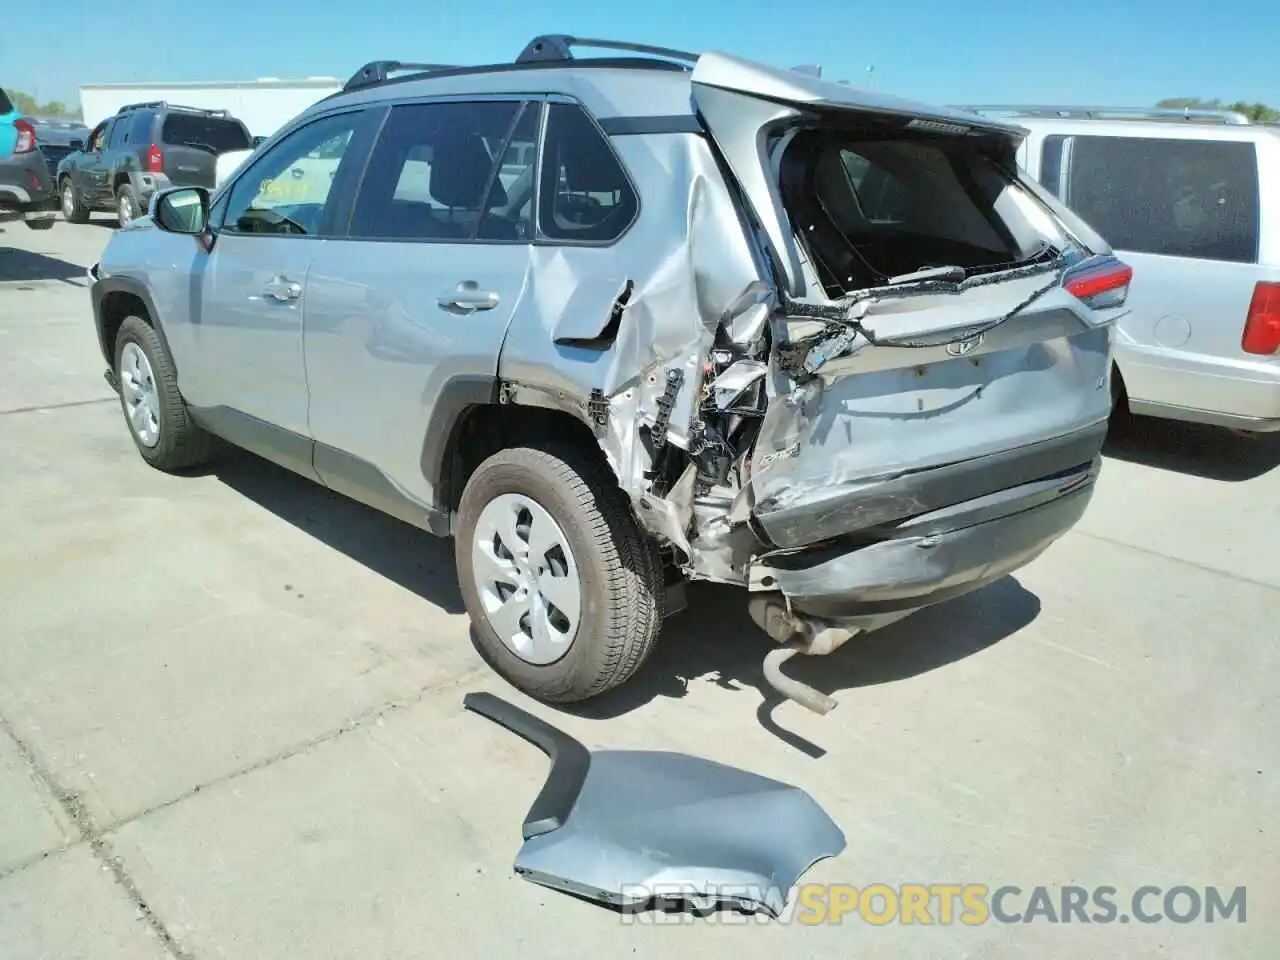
[[231, 716]]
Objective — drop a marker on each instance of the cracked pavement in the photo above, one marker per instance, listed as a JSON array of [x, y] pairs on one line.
[[231, 717]]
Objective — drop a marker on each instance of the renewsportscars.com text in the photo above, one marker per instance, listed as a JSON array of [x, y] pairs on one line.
[[972, 904]]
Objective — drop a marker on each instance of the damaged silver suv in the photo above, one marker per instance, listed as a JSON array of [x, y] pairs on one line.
[[616, 323]]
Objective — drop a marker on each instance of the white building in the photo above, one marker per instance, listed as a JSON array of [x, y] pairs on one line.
[[264, 105]]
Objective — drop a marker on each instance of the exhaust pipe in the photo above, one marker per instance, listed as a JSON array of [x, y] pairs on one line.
[[796, 635]]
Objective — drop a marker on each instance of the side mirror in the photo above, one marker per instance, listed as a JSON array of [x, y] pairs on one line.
[[77, 146], [183, 210]]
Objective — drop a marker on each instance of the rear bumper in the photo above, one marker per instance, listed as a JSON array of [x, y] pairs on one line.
[[26, 188], [1239, 392], [843, 509], [933, 557]]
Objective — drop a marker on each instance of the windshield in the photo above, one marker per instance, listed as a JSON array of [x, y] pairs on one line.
[[214, 132]]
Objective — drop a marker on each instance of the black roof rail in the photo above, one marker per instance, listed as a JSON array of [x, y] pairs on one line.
[[558, 46], [379, 71], [166, 105]]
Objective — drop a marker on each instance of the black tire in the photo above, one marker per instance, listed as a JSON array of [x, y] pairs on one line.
[[622, 586], [126, 196], [181, 443], [74, 209], [46, 224]]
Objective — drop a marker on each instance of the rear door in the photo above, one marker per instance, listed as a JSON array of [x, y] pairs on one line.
[[417, 298], [926, 322], [191, 142]]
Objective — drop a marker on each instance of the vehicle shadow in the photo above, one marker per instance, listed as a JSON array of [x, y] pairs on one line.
[[1210, 453], [18, 266], [712, 641], [715, 641], [403, 554]]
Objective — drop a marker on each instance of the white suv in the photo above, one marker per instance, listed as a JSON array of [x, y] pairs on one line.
[[1192, 200]]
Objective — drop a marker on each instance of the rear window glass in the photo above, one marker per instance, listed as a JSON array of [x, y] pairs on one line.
[[219, 134], [1184, 198], [584, 195], [872, 209], [5, 105]]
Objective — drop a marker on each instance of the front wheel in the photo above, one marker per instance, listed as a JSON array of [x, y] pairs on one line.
[[564, 590], [162, 429]]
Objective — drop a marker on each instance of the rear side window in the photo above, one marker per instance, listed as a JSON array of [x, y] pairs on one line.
[[871, 209], [215, 133], [585, 195], [140, 131], [6, 105], [1184, 198], [115, 139], [448, 172]]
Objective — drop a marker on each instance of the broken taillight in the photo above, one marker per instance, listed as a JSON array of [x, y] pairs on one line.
[[1100, 285], [26, 137], [1262, 328]]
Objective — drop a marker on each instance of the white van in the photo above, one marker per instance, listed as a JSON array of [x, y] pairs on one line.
[[1191, 199]]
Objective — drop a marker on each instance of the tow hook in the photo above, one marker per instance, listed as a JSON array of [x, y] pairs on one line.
[[796, 634]]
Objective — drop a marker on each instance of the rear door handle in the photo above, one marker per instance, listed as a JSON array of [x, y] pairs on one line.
[[283, 289], [467, 297]]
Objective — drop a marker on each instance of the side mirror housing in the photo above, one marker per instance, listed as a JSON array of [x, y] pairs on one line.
[[183, 210], [77, 145]]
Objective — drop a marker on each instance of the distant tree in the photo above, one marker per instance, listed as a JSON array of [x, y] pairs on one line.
[[1257, 112], [26, 103]]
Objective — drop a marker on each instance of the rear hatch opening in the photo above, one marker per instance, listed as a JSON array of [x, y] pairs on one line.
[[191, 144], [950, 320], [877, 204]]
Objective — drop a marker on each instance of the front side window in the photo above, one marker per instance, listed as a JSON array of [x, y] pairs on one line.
[[1184, 198], [96, 138], [585, 194], [446, 172], [287, 189]]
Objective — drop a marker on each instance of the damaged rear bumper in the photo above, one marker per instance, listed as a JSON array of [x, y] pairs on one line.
[[932, 557], [840, 509]]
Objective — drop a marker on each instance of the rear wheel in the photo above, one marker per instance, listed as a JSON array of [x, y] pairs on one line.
[[162, 429], [128, 208], [564, 590], [74, 209]]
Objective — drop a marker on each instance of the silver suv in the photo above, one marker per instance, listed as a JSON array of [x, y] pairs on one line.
[[617, 323]]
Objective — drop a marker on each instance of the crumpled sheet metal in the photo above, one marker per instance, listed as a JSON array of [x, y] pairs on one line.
[[868, 419], [624, 826], [688, 275]]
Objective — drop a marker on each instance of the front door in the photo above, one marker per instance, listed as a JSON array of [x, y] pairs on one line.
[[92, 166], [420, 293], [255, 285]]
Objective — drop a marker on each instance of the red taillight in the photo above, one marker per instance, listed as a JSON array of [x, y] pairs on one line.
[[155, 159], [1100, 285], [1262, 329], [26, 137]]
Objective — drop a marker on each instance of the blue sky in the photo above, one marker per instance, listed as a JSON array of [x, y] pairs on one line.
[[1126, 52]]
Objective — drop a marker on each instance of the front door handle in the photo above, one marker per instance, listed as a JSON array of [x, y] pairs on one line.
[[283, 290], [467, 297]]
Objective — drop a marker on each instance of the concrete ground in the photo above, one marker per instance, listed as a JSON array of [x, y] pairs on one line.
[[231, 722]]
